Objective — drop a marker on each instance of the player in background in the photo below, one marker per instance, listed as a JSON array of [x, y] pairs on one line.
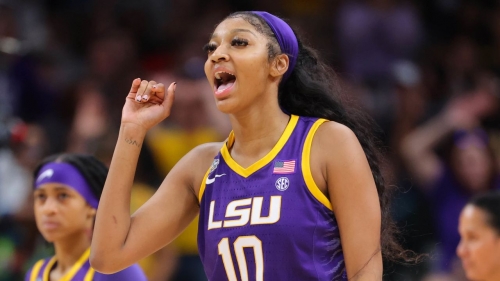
[[66, 197], [479, 228]]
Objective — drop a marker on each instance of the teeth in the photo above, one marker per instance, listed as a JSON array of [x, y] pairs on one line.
[[217, 74]]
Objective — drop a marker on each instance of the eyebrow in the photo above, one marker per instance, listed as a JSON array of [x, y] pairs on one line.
[[57, 188], [235, 31]]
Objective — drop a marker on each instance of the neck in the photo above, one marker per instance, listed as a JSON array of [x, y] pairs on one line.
[[70, 249], [495, 276], [259, 128]]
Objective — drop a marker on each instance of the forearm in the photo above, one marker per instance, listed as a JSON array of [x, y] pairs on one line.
[[417, 150], [371, 271], [113, 216], [426, 137]]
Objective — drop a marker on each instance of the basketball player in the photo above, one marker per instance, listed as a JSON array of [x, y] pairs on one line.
[[479, 247], [286, 197], [67, 190]]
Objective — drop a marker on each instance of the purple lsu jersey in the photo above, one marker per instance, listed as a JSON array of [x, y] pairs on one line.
[[82, 271], [269, 221]]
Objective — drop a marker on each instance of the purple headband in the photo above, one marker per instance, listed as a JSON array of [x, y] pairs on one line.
[[475, 137], [66, 174], [286, 38]]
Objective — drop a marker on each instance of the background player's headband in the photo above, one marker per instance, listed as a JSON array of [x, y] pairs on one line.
[[64, 173], [285, 36], [476, 137]]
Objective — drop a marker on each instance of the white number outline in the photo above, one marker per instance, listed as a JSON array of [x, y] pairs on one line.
[[239, 244]]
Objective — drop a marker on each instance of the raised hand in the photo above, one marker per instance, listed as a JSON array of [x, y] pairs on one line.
[[147, 103]]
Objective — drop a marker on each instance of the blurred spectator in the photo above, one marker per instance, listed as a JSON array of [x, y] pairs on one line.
[[461, 63], [373, 34], [410, 99], [468, 167], [90, 121], [411, 212], [21, 148], [113, 63]]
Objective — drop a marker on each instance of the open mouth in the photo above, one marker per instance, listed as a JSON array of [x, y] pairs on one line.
[[223, 81]]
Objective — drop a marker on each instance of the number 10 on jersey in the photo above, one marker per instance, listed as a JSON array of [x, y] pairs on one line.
[[239, 244]]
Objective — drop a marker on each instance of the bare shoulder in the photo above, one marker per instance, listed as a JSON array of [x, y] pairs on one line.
[[207, 150], [331, 135], [197, 162], [336, 146]]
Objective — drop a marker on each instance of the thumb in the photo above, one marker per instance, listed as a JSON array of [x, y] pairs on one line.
[[169, 97]]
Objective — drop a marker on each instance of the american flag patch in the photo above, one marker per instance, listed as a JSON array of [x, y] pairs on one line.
[[284, 167]]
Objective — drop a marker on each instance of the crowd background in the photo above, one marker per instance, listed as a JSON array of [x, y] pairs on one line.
[[427, 71]]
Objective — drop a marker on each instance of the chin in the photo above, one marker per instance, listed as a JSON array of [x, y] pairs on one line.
[[225, 106], [472, 275], [51, 238]]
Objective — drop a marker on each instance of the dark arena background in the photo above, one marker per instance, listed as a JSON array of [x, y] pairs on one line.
[[426, 71]]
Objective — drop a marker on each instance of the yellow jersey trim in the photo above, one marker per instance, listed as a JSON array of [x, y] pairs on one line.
[[47, 269], [306, 166], [246, 172], [90, 275], [36, 270], [68, 276], [74, 269], [203, 185]]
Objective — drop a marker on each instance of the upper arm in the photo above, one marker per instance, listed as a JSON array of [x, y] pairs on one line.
[[173, 206], [340, 165], [132, 273], [422, 162]]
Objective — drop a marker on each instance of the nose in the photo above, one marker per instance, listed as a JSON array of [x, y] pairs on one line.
[[461, 249], [50, 206], [219, 55]]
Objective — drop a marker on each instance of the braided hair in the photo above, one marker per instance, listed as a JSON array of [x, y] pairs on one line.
[[313, 90], [93, 170]]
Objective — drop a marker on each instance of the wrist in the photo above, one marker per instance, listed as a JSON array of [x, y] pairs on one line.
[[133, 131], [447, 122]]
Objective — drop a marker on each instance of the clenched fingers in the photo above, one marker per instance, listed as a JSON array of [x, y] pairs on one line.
[[144, 91]]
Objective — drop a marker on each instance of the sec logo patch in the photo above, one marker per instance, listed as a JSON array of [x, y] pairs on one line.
[[282, 183]]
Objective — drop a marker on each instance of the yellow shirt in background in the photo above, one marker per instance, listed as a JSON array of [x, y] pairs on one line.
[[168, 147]]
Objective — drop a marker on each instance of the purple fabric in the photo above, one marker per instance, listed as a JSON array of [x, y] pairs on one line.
[[303, 244], [132, 273], [286, 38], [64, 173], [447, 199], [28, 275], [465, 138]]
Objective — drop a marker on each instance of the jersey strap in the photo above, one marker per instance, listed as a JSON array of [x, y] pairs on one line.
[[69, 275], [306, 166], [36, 270]]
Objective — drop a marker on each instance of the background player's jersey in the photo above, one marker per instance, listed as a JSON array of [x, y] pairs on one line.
[[82, 271], [269, 221]]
